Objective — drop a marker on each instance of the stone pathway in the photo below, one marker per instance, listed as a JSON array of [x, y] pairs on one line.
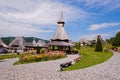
[[49, 70]]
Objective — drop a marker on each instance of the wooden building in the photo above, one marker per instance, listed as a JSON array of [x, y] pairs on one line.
[[60, 40], [3, 47], [20, 45], [17, 45]]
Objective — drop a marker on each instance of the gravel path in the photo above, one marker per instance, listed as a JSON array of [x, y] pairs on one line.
[[49, 70]]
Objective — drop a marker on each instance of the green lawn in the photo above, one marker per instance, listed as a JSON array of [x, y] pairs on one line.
[[7, 56], [90, 58]]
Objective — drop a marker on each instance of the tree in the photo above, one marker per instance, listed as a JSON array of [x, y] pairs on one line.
[[98, 47], [38, 50], [116, 40]]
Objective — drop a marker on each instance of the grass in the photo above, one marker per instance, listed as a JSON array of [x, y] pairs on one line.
[[8, 56], [90, 58]]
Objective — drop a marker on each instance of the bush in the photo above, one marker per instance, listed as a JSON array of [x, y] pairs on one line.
[[38, 58], [28, 58], [21, 58], [119, 50], [46, 57], [42, 50], [105, 50]]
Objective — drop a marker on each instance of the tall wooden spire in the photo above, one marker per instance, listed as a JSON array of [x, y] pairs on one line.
[[60, 38], [60, 33], [60, 20]]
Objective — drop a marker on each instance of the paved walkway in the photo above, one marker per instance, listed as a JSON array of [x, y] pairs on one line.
[[48, 70]]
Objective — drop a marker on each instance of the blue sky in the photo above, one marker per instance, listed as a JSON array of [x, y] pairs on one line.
[[38, 18]]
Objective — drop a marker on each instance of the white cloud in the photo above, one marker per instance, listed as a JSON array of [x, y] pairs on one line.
[[89, 36], [117, 31], [103, 25], [110, 5], [95, 2], [93, 36], [18, 17], [17, 29], [37, 11]]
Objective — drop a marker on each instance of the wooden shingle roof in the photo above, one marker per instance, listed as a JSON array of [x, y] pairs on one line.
[[60, 34], [18, 41], [2, 43], [41, 43], [21, 43]]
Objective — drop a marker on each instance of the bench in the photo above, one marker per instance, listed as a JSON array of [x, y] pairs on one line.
[[64, 65]]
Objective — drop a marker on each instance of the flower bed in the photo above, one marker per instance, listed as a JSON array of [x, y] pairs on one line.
[[29, 58]]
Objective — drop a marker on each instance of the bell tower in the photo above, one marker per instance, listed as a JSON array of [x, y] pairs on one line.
[[60, 21]]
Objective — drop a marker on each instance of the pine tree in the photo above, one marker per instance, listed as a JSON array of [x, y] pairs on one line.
[[116, 40], [98, 47]]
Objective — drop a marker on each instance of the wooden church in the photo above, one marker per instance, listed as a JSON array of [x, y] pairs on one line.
[[60, 40]]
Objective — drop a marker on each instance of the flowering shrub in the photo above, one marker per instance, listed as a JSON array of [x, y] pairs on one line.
[[42, 50], [27, 58], [38, 58]]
